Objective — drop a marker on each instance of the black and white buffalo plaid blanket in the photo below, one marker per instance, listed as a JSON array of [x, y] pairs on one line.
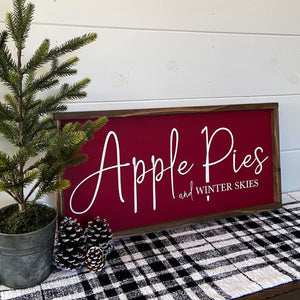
[[223, 259]]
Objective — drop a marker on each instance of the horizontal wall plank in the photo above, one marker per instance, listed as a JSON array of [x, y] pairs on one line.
[[255, 16], [290, 170], [137, 65]]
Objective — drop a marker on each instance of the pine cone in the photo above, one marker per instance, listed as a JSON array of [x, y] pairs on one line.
[[70, 245], [99, 234], [95, 259]]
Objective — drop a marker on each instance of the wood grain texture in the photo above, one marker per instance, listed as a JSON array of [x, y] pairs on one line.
[[166, 111], [276, 156], [288, 291]]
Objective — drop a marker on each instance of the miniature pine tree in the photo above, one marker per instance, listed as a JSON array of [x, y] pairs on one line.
[[42, 152]]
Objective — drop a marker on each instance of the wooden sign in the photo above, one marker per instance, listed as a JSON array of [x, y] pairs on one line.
[[158, 168]]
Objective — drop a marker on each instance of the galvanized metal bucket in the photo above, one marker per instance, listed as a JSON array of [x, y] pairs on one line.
[[26, 259]]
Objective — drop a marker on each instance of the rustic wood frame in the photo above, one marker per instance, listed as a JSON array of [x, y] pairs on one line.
[[59, 201]]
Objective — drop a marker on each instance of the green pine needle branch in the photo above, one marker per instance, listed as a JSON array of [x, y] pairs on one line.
[[42, 152]]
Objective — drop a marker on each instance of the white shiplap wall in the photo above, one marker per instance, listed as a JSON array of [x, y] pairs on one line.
[[162, 53]]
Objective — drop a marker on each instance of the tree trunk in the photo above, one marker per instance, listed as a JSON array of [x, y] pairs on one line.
[[22, 206]]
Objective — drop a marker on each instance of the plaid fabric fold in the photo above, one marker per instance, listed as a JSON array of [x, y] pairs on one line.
[[223, 259]]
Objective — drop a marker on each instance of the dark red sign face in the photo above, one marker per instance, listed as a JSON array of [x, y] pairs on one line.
[[149, 169]]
